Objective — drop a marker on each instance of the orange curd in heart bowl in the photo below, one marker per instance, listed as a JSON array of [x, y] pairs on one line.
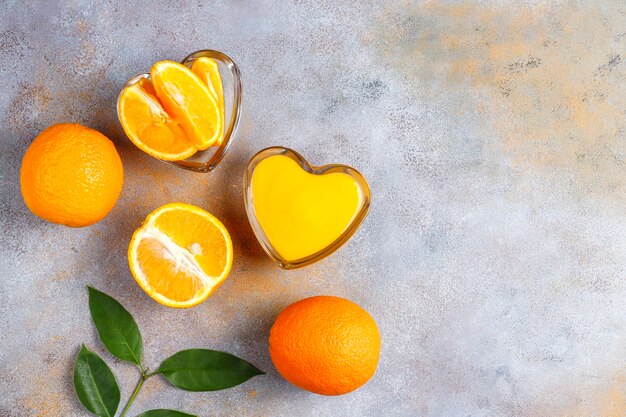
[[302, 213]]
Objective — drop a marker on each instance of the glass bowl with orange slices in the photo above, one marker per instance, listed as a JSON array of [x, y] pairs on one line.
[[184, 113]]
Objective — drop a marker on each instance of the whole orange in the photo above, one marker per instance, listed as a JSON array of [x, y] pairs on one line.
[[71, 175], [326, 345]]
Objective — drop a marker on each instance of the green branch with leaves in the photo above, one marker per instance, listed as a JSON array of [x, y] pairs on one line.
[[190, 370]]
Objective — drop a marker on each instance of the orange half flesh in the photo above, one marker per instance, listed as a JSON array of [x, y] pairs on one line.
[[209, 72], [149, 126], [189, 101], [180, 255]]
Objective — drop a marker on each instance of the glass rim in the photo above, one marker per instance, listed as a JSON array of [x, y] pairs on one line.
[[312, 169], [235, 113]]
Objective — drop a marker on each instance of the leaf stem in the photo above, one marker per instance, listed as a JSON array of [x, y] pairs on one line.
[[144, 376], [151, 373]]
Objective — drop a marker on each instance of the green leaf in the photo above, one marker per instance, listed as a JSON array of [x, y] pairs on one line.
[[165, 413], [95, 384], [206, 370], [117, 328]]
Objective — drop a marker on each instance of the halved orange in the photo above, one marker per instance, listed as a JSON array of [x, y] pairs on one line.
[[189, 101], [149, 126], [209, 72], [180, 255]]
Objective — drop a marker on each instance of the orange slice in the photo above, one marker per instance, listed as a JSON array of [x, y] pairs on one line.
[[180, 255], [189, 101], [149, 126], [209, 72]]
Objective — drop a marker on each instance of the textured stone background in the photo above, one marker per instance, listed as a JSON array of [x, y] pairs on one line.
[[493, 259]]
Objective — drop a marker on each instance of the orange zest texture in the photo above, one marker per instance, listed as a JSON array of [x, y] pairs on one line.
[[180, 255], [71, 175], [326, 345]]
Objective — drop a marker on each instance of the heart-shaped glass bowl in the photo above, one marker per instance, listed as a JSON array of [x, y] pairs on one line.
[[321, 170], [207, 160]]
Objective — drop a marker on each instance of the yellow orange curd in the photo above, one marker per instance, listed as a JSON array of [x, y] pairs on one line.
[[302, 213]]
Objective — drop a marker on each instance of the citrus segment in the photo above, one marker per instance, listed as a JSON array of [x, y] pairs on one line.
[[180, 255], [160, 259], [189, 101], [148, 125], [208, 71]]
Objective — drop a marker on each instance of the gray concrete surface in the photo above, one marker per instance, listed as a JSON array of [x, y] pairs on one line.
[[493, 259]]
